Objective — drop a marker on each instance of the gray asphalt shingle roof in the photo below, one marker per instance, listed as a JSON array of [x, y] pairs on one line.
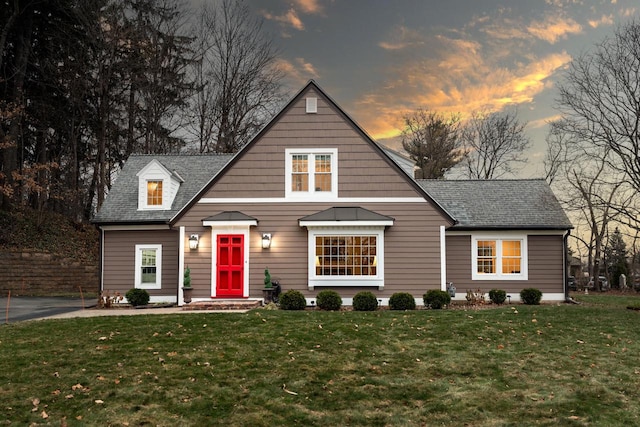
[[121, 204], [499, 204]]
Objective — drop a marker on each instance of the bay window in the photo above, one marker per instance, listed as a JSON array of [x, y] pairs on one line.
[[346, 256]]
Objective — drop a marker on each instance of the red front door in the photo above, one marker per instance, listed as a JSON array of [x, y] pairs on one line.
[[230, 275]]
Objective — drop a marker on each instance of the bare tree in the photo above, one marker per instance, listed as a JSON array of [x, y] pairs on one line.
[[591, 190], [494, 143], [431, 139], [238, 81], [600, 99]]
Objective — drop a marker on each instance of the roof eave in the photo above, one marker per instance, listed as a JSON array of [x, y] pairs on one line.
[[509, 228]]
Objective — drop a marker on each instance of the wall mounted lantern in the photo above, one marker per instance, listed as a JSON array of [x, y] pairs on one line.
[[193, 241], [266, 240]]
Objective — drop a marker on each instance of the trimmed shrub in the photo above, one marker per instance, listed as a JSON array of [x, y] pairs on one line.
[[531, 296], [329, 300], [436, 299], [497, 296], [365, 301], [292, 300], [137, 297], [402, 301]]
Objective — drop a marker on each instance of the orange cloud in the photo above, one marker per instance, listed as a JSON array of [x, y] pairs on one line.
[[463, 76], [540, 123], [604, 20], [554, 28], [309, 6], [403, 38], [299, 71], [290, 18]]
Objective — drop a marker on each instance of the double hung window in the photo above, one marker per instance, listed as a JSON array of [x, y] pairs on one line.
[[148, 261], [312, 174], [499, 258]]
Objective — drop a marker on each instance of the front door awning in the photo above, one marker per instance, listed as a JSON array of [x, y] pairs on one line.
[[229, 218]]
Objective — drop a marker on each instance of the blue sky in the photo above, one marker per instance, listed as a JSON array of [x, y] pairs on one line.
[[382, 59]]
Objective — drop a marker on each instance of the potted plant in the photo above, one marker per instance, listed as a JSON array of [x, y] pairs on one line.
[[267, 279], [187, 290], [267, 292]]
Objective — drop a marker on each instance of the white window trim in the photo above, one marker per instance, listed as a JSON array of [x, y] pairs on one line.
[[138, 267], [155, 171], [499, 237], [311, 195], [354, 281], [146, 206]]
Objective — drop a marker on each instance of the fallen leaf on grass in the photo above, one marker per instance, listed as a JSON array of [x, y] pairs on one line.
[[284, 388]]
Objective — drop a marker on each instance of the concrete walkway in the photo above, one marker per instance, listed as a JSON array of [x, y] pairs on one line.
[[17, 309]]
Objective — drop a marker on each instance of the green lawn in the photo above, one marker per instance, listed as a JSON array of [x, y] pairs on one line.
[[515, 365]]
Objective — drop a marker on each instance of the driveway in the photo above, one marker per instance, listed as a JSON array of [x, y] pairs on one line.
[[16, 309]]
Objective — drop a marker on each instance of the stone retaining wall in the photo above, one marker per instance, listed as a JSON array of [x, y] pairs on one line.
[[37, 273]]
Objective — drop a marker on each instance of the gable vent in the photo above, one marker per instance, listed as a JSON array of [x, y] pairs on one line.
[[312, 105]]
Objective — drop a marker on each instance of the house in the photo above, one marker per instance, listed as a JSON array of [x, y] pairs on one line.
[[321, 205]]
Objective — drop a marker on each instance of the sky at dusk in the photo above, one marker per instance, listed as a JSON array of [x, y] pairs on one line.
[[382, 59]]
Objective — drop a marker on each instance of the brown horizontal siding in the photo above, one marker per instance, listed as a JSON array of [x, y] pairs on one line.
[[545, 266], [260, 172], [119, 259], [412, 254], [546, 263]]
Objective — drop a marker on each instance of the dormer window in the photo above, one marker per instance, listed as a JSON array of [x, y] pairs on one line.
[[154, 193], [157, 186]]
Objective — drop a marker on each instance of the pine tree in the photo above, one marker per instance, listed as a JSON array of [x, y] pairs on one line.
[[616, 258]]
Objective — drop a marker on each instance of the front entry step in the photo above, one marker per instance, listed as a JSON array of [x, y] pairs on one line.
[[223, 304]]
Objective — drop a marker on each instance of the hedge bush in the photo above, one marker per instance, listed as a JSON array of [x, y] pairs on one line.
[[292, 300], [497, 296], [531, 296], [329, 300], [137, 297], [436, 299], [365, 301], [402, 301]]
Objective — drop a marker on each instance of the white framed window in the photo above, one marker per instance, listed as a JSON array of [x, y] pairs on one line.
[[154, 193], [148, 266], [157, 187], [345, 256], [499, 257], [311, 174]]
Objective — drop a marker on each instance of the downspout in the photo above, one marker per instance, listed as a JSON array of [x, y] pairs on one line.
[[181, 249], [565, 265], [101, 266], [443, 259]]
